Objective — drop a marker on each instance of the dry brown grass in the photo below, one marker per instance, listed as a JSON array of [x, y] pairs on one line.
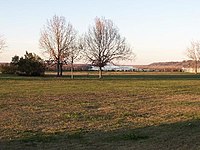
[[99, 114]]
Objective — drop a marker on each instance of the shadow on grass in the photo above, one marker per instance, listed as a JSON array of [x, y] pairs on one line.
[[181, 135]]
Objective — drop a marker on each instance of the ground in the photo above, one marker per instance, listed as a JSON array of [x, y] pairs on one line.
[[121, 111]]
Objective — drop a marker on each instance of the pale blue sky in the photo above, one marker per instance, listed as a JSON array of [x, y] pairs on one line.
[[158, 30]]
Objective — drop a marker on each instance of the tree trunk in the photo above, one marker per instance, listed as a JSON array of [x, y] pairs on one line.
[[61, 69], [72, 71], [58, 69], [195, 65], [100, 72]]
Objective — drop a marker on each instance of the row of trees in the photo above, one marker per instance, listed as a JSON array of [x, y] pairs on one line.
[[100, 45]]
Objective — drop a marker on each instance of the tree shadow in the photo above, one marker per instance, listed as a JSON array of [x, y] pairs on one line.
[[181, 135]]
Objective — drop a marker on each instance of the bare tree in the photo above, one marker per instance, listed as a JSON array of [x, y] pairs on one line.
[[103, 44], [74, 54], [2, 43], [56, 39], [193, 53]]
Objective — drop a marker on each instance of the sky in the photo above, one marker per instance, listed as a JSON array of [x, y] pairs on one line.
[[157, 30]]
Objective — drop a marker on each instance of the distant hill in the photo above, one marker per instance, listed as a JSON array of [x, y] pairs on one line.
[[185, 63], [170, 66]]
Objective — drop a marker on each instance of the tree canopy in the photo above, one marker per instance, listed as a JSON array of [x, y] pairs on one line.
[[103, 44], [57, 38]]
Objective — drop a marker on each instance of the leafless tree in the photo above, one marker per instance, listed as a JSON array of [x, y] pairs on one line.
[[2, 43], [56, 39], [75, 52], [193, 53], [103, 44]]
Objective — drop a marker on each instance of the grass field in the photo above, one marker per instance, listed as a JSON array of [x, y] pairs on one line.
[[123, 111]]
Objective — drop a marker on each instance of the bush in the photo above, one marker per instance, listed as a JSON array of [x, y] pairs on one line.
[[29, 65]]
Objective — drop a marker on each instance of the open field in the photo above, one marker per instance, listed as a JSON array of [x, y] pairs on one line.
[[135, 111]]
